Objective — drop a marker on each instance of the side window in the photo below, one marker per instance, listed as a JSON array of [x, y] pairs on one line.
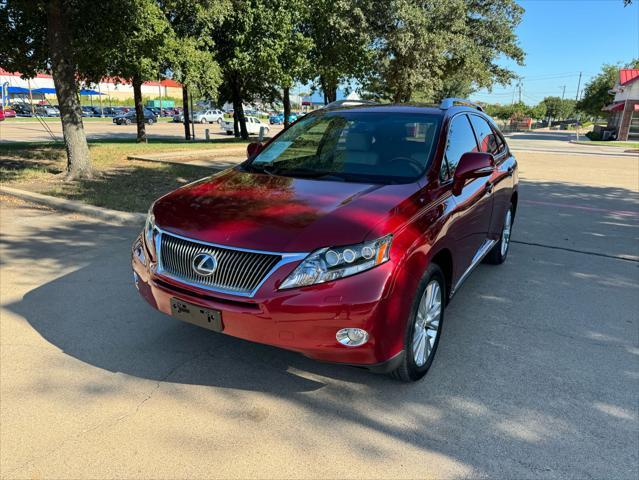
[[461, 139], [500, 140], [486, 138]]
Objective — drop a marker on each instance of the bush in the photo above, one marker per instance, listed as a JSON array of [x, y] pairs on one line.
[[594, 136]]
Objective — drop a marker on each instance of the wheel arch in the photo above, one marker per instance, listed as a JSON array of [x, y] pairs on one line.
[[444, 260], [513, 199]]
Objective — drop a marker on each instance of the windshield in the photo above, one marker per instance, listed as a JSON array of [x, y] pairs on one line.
[[370, 147]]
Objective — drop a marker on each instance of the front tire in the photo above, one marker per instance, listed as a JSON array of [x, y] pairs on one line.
[[424, 326], [203, 121], [499, 252]]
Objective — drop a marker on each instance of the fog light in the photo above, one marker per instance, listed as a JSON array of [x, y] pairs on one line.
[[352, 337], [136, 280]]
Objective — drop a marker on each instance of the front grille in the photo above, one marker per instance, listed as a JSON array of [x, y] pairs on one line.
[[237, 271]]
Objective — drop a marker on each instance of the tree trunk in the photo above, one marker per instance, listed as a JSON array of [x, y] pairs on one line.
[[139, 109], [238, 112], [329, 88], [185, 110], [66, 87], [286, 98], [236, 118]]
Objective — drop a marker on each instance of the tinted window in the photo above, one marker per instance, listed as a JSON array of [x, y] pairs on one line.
[[375, 147], [461, 139], [485, 136]]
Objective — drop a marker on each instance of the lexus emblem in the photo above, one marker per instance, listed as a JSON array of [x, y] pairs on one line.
[[204, 264]]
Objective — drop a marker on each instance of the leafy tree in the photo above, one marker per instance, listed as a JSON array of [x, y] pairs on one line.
[[249, 43], [597, 92], [556, 108], [342, 37], [429, 49], [191, 51], [66, 38], [294, 62], [139, 50]]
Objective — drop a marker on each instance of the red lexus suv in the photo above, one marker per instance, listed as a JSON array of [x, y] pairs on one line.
[[342, 238]]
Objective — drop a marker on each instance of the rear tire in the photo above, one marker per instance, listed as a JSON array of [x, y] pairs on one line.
[[424, 326], [499, 252]]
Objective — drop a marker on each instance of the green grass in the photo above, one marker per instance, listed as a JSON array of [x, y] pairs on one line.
[[610, 143], [118, 183]]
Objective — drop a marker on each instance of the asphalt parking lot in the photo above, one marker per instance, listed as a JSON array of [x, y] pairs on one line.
[[24, 130], [537, 374]]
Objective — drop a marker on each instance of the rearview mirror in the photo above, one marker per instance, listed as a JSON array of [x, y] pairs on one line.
[[254, 148], [472, 165]]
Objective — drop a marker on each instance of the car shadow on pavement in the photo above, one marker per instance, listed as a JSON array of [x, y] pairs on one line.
[[528, 378]]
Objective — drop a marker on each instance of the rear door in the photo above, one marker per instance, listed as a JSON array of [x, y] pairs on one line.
[[469, 228]]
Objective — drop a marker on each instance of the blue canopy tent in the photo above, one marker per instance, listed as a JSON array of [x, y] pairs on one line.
[[17, 90], [44, 91], [86, 91]]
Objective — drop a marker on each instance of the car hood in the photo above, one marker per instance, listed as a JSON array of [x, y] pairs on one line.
[[279, 214]]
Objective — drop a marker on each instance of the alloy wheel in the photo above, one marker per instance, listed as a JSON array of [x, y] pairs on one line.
[[426, 326], [505, 234]]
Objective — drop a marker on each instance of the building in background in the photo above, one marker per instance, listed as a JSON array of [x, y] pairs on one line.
[[624, 110], [109, 88]]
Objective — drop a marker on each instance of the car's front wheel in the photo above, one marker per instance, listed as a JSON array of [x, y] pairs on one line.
[[499, 252], [151, 121], [424, 326], [203, 121]]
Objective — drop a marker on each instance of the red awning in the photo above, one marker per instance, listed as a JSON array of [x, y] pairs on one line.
[[614, 107]]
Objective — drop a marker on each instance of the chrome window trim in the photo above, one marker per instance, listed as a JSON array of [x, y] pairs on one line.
[[286, 257]]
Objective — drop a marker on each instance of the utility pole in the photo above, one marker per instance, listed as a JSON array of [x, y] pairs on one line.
[[578, 85], [519, 90], [564, 92]]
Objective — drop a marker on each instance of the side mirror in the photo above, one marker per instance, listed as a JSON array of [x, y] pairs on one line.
[[254, 148], [472, 165]]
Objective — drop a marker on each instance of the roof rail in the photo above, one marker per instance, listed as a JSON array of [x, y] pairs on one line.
[[451, 102], [349, 103]]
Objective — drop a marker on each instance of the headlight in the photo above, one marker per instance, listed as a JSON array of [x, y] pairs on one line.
[[149, 231], [327, 264]]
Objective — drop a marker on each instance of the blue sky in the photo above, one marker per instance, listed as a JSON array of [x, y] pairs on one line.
[[564, 37]]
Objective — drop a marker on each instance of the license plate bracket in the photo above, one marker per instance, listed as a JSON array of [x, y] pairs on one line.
[[208, 318]]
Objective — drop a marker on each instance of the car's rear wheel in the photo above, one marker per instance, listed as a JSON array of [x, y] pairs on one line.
[[499, 252], [424, 326], [127, 121], [151, 121]]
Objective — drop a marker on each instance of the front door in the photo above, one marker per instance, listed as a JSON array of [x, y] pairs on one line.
[[471, 220]]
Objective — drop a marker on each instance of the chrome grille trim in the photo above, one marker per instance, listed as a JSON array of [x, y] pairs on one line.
[[240, 271]]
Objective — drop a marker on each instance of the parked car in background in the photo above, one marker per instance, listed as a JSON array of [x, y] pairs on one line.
[[343, 238], [22, 110], [129, 118], [51, 111], [208, 116], [110, 111], [9, 113], [87, 111], [1, 114], [253, 125], [278, 118], [178, 117]]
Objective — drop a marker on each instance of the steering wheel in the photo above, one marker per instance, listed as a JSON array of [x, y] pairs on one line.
[[415, 165]]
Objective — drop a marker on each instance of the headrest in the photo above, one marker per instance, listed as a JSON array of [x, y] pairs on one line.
[[358, 141]]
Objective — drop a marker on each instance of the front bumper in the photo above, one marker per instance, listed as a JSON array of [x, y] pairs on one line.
[[304, 320]]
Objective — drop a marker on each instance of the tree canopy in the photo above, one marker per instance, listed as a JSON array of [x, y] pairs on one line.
[[597, 92]]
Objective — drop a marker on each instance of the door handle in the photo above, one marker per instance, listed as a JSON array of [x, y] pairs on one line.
[[511, 169], [489, 188]]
